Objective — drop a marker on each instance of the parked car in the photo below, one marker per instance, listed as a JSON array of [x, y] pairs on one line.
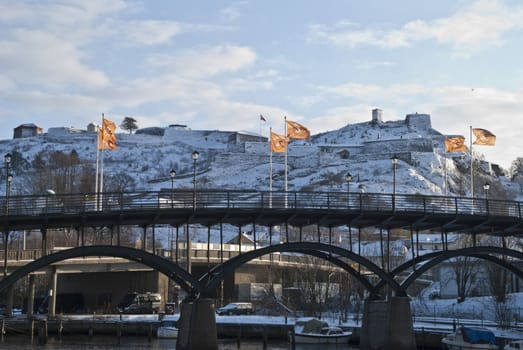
[[236, 309], [140, 303]]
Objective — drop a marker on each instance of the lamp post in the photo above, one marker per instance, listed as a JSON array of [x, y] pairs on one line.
[[348, 178], [486, 187], [8, 179], [361, 187], [394, 160], [195, 156], [173, 174]]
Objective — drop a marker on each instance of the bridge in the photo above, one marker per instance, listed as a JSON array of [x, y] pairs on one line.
[[326, 210]]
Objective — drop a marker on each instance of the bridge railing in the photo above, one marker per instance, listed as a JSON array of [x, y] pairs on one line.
[[228, 199]]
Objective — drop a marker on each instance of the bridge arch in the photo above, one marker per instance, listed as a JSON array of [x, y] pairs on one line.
[[435, 258], [210, 280], [186, 281]]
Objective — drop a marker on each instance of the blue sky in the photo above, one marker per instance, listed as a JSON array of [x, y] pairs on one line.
[[220, 64]]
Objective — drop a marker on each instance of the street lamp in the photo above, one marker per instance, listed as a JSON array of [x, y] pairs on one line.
[[348, 178], [486, 187], [8, 191], [8, 179], [173, 174], [195, 156], [394, 160], [361, 187]]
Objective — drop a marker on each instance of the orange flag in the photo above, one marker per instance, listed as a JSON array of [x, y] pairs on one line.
[[455, 144], [297, 131], [107, 135], [484, 137], [278, 143]]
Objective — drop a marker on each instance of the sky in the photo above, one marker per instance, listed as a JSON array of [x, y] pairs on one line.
[[221, 64]]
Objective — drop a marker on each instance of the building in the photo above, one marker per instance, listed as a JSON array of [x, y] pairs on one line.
[[26, 130]]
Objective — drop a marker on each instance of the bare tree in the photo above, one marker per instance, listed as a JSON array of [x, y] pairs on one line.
[[498, 278], [62, 172], [121, 182], [516, 172], [464, 271], [306, 280]]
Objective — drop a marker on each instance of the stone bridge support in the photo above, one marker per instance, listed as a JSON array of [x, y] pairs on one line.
[[387, 325], [197, 326]]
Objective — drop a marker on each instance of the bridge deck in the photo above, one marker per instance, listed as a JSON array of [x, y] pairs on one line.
[[327, 209]]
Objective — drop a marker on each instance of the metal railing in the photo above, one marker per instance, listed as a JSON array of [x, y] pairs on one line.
[[259, 200]]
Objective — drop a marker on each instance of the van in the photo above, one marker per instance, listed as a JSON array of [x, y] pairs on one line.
[[140, 303], [238, 308]]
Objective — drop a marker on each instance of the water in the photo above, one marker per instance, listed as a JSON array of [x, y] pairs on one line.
[[16, 342]]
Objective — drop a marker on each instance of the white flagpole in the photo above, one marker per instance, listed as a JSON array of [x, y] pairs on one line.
[[101, 189], [471, 169], [286, 151], [445, 168], [270, 167], [97, 162]]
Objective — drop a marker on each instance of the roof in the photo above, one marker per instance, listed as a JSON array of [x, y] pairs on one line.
[[28, 125]]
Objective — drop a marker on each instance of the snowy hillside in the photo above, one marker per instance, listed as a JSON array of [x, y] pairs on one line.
[[236, 160]]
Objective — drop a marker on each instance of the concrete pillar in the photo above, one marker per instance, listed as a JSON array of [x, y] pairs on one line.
[[373, 334], [197, 326], [387, 325], [51, 306], [31, 297], [401, 329]]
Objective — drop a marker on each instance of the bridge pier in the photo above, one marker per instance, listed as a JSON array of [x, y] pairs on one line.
[[387, 325], [197, 326]]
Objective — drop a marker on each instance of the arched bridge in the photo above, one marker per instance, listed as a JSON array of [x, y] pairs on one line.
[[325, 210]]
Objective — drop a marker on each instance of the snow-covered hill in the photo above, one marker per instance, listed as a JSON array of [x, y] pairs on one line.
[[237, 160]]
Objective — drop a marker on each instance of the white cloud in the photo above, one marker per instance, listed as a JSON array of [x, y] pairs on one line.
[[369, 65], [482, 23], [150, 32], [338, 117], [230, 13], [57, 14], [5, 83], [363, 91], [38, 57], [206, 62], [453, 109]]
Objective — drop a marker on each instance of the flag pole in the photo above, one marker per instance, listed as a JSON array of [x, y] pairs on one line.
[[97, 162], [101, 189], [270, 167], [286, 151], [471, 169], [445, 169]]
